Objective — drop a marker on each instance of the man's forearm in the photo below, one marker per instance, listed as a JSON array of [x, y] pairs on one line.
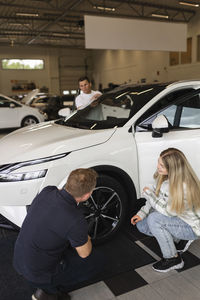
[[89, 245], [85, 250]]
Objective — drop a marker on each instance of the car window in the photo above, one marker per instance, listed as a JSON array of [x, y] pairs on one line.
[[44, 100], [169, 113], [190, 113], [4, 102], [114, 108], [163, 107]]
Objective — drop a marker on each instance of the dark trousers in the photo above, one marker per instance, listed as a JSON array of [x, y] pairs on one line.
[[73, 271]]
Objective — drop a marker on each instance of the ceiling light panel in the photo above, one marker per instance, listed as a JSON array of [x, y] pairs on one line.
[[25, 14], [104, 8], [160, 16], [189, 3]]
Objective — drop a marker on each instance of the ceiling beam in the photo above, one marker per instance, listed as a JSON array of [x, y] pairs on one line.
[[147, 4], [45, 26]]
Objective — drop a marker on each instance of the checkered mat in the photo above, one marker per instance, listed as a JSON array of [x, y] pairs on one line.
[[123, 255]]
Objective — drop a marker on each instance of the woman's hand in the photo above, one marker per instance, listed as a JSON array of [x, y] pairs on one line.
[[135, 219], [146, 188]]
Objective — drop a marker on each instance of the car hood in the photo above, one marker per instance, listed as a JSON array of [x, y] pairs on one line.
[[27, 99], [46, 139]]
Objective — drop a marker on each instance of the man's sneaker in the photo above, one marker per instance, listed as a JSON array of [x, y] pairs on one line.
[[41, 295], [167, 264], [183, 245]]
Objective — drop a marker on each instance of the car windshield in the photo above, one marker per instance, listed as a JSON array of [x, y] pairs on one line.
[[114, 108]]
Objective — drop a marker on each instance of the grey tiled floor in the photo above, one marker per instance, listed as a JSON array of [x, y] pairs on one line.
[[172, 285]]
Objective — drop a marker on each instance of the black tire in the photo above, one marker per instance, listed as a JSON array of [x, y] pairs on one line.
[[29, 120], [105, 210]]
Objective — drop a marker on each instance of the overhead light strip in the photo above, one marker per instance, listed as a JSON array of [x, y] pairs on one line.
[[104, 8], [160, 16], [27, 14], [189, 3], [19, 24], [57, 34]]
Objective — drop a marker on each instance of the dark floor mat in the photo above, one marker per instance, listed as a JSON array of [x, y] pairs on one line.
[[125, 282], [122, 255], [12, 285]]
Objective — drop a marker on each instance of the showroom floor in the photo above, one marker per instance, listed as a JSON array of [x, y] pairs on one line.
[[135, 281], [174, 285]]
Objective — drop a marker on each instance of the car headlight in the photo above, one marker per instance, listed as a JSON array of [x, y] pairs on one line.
[[22, 176], [6, 174]]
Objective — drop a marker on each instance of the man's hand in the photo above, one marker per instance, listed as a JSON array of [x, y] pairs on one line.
[[85, 250], [135, 219], [96, 96]]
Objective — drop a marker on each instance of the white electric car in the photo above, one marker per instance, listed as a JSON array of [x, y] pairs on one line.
[[120, 135]]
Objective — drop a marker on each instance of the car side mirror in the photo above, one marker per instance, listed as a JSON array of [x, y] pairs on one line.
[[159, 126], [64, 112], [12, 105]]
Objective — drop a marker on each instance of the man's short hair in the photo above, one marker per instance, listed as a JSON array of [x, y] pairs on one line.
[[84, 78], [81, 181]]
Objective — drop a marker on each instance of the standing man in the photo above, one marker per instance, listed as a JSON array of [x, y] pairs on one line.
[[53, 223], [87, 95]]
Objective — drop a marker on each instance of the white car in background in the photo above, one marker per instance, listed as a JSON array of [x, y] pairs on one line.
[[13, 114], [120, 135]]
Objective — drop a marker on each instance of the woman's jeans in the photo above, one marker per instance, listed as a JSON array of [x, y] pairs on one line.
[[166, 229]]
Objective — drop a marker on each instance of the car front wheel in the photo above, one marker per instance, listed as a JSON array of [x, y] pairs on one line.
[[30, 120], [105, 210]]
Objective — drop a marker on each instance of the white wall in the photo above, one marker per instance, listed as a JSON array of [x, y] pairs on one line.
[[119, 66], [57, 73], [40, 77]]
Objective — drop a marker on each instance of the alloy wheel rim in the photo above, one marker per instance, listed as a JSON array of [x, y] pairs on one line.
[[103, 212]]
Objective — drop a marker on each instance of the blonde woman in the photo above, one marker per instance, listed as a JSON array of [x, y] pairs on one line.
[[172, 209]]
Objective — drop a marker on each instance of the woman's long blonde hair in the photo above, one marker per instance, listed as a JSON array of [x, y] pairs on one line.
[[179, 172]]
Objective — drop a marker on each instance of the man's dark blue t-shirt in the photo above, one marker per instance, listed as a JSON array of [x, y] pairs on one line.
[[52, 222]]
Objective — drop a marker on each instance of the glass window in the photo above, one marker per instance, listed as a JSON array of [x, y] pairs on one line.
[[22, 64], [198, 48], [190, 116], [162, 107], [169, 113], [186, 57], [173, 58], [66, 92], [4, 102], [114, 108]]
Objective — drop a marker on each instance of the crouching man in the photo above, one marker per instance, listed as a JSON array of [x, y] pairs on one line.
[[54, 226]]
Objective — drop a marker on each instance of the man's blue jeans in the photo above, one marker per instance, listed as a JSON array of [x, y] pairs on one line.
[[166, 230]]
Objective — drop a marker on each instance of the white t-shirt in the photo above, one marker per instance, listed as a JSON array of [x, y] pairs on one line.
[[83, 99]]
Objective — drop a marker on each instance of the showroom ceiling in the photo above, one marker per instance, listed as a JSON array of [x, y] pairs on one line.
[[61, 22]]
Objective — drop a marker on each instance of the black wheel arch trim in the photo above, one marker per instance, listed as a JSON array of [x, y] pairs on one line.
[[121, 176]]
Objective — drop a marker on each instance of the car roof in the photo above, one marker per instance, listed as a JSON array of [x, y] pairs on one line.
[[126, 87]]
